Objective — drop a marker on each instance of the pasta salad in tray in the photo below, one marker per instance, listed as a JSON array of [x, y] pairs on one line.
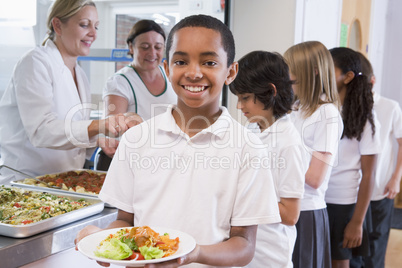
[[21, 207]]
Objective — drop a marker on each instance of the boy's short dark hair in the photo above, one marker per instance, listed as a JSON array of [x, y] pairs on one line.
[[258, 70], [208, 22]]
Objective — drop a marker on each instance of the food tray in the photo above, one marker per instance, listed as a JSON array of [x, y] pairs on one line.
[[21, 231], [19, 183]]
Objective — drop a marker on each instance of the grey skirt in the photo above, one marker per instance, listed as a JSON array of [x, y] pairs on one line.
[[313, 246]]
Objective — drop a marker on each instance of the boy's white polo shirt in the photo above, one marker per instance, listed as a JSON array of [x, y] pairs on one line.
[[390, 115], [275, 242], [199, 185]]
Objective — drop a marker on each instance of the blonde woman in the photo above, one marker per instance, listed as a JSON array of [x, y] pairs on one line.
[[45, 110], [317, 118]]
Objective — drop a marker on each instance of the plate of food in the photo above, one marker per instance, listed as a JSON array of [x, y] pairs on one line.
[[136, 246]]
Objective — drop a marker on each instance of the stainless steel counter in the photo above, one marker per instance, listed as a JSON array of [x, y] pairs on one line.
[[15, 252]]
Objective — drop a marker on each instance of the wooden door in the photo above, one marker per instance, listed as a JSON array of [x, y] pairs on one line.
[[355, 25]]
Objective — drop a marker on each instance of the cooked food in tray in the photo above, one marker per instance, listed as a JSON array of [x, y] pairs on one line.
[[137, 243], [84, 181], [21, 207]]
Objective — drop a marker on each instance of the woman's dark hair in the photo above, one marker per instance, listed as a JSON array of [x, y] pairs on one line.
[[208, 22], [358, 104], [260, 72], [144, 26]]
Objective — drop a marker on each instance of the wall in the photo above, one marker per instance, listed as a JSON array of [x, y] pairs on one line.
[[277, 25], [378, 26], [391, 73], [260, 25], [208, 7]]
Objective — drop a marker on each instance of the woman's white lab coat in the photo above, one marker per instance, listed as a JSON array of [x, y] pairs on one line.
[[44, 118]]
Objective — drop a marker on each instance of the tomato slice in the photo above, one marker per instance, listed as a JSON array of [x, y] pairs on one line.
[[136, 256]]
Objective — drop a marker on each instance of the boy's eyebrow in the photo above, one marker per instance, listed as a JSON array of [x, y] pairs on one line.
[[210, 53], [207, 53], [179, 53]]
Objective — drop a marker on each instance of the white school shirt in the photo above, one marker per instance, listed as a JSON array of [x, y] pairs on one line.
[[345, 178], [44, 118], [275, 242], [201, 185], [320, 132], [142, 102], [390, 116]]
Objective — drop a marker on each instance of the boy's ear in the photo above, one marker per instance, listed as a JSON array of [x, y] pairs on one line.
[[232, 73], [349, 77], [271, 85], [166, 67]]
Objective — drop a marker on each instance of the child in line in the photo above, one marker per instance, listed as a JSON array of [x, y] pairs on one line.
[[317, 118], [223, 191], [265, 96], [351, 183], [388, 172]]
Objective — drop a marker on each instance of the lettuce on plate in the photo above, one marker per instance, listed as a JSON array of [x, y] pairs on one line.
[[151, 252], [114, 249]]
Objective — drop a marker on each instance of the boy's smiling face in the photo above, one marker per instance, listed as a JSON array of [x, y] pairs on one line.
[[197, 68]]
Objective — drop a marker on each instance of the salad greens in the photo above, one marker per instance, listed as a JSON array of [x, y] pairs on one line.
[[136, 243], [114, 249], [129, 242], [151, 252], [119, 249]]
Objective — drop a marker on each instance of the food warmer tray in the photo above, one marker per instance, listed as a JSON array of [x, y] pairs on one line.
[[18, 183], [21, 231]]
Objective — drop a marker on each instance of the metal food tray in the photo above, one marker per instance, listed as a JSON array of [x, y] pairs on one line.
[[21, 231], [35, 187]]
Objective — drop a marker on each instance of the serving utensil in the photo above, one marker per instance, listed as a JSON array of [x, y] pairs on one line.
[[30, 176]]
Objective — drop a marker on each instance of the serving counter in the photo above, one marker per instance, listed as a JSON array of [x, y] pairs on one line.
[[15, 252]]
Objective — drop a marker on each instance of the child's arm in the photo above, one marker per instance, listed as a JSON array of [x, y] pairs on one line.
[[354, 229], [238, 250], [289, 209], [393, 185], [317, 170]]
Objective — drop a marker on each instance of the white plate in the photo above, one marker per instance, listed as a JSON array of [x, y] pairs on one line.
[[89, 244]]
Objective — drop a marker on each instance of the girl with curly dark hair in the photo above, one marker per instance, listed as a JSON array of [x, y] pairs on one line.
[[265, 96], [351, 182]]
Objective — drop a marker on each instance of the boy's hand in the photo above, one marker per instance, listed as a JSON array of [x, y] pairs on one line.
[[90, 229]]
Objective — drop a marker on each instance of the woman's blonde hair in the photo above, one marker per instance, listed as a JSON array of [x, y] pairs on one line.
[[63, 10], [312, 65]]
